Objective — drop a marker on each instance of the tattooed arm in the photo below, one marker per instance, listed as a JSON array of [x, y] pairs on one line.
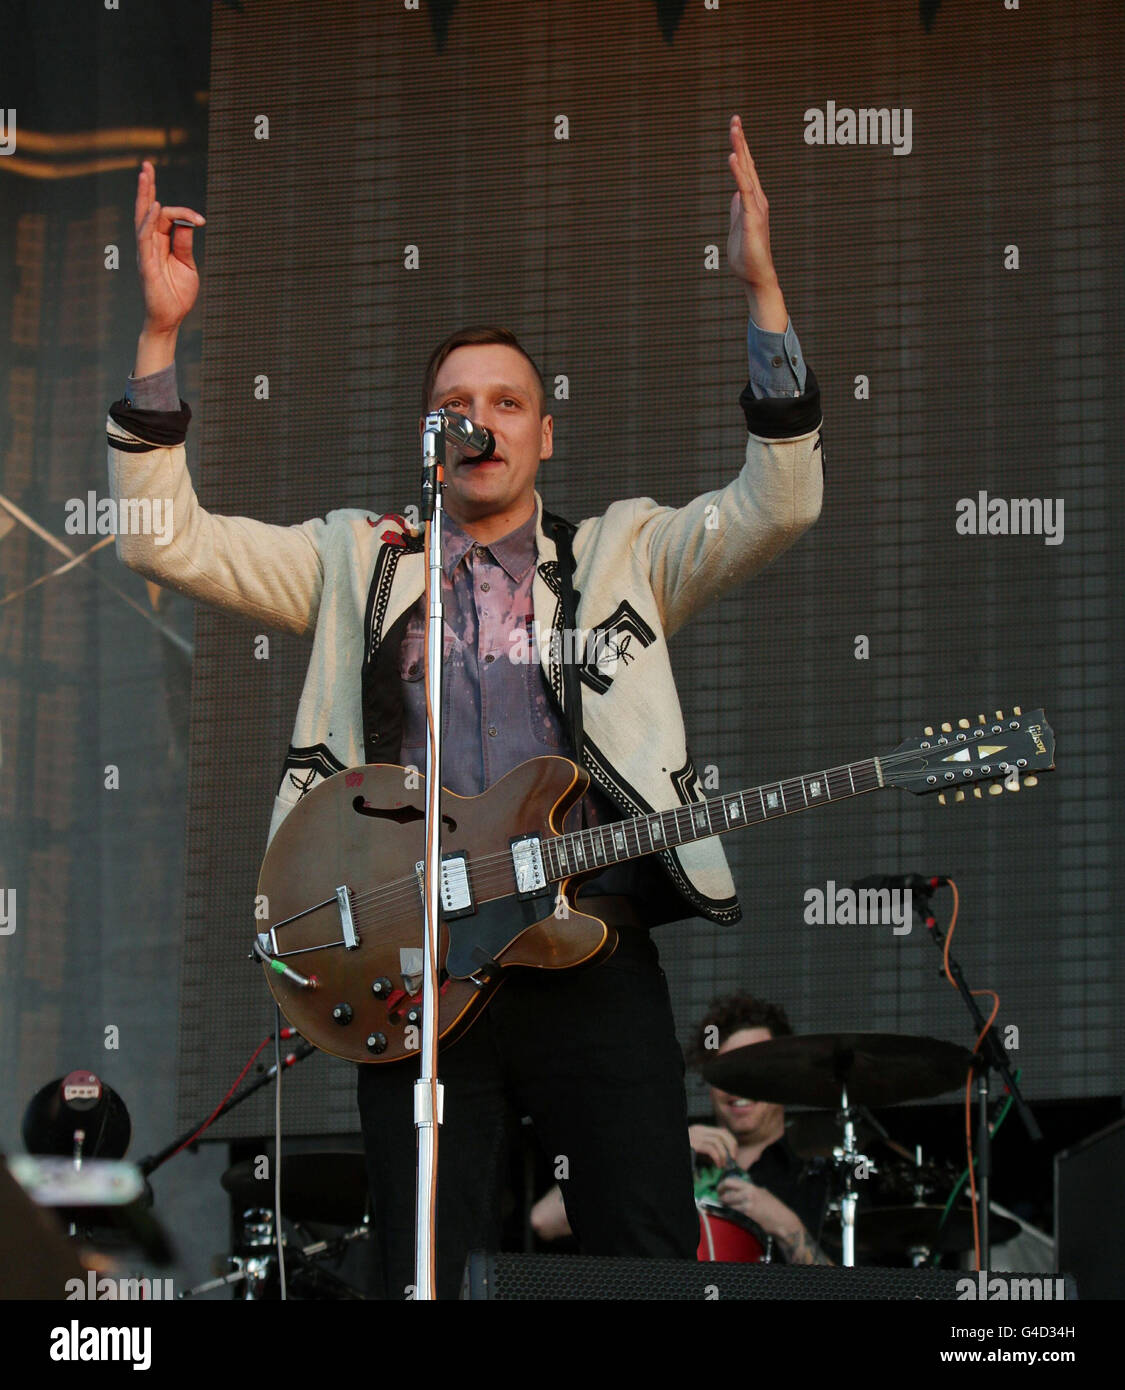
[[798, 1246], [775, 1218]]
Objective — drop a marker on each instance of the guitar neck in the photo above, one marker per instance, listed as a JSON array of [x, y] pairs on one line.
[[601, 845]]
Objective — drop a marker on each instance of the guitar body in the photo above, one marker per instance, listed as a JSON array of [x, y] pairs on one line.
[[364, 830], [342, 885]]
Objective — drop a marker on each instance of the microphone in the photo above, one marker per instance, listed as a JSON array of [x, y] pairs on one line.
[[916, 883], [474, 441]]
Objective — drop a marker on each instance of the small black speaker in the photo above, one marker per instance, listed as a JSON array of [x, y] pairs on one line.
[[1090, 1212], [588, 1276]]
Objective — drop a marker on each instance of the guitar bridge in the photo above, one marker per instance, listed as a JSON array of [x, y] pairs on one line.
[[527, 865], [347, 922]]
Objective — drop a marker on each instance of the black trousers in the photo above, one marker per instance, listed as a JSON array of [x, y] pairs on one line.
[[591, 1056]]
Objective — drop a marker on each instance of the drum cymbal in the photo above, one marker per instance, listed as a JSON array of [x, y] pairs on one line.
[[810, 1068], [884, 1231], [323, 1187]]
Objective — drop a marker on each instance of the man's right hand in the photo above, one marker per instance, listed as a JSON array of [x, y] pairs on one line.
[[169, 277], [713, 1142]]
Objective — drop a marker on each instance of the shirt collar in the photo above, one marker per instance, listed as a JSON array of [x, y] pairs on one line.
[[514, 553]]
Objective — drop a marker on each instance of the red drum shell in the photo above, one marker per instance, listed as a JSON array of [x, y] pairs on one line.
[[721, 1238]]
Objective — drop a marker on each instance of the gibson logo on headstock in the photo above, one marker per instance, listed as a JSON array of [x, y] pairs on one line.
[[1036, 732]]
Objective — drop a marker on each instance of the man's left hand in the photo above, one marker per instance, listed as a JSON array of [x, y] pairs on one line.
[[774, 1217], [761, 1206], [748, 245]]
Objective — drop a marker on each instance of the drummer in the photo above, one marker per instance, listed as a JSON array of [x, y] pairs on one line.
[[744, 1160]]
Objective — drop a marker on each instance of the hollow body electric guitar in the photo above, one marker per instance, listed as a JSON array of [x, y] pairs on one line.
[[342, 882]]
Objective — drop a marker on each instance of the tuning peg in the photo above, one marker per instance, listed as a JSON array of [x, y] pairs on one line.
[[1016, 709], [981, 719], [947, 728], [1031, 781], [999, 714], [941, 799], [958, 795], [928, 731], [962, 723], [978, 793], [995, 789]]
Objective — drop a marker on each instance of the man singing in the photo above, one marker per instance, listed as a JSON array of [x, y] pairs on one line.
[[590, 1055]]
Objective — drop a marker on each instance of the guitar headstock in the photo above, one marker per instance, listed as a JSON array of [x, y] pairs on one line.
[[1004, 752]]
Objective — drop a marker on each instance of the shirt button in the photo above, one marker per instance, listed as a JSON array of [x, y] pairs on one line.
[[776, 361], [479, 551], [489, 659], [485, 587], [794, 360], [492, 731]]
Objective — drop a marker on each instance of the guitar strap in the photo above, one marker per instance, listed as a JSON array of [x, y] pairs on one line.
[[562, 533]]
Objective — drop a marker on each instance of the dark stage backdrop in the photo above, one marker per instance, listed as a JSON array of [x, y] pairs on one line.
[[562, 169]]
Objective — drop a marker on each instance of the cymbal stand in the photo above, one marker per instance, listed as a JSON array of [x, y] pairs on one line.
[[846, 1161]]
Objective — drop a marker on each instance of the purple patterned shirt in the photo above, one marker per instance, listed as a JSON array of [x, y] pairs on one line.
[[496, 712]]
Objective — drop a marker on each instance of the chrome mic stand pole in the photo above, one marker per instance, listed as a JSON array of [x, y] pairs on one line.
[[428, 1090], [847, 1203]]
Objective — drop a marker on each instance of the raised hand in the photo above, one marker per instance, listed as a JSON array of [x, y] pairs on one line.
[[169, 276], [748, 245]]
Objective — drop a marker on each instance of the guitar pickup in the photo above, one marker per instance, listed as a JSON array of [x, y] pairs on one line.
[[527, 865], [456, 890]]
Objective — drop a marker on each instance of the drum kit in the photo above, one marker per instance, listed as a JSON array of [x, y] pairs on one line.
[[852, 1072], [841, 1075], [317, 1189]]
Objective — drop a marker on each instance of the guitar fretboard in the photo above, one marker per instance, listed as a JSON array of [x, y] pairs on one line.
[[602, 845]]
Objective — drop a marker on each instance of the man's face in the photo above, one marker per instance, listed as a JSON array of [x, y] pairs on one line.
[[495, 386], [747, 1120]]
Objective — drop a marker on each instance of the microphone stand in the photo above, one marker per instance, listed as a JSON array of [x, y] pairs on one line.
[[990, 1054], [429, 1093], [150, 1164]]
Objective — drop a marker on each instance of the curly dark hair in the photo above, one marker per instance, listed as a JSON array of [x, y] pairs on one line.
[[728, 1014]]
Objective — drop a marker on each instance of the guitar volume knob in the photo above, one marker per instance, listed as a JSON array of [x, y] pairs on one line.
[[376, 1043], [342, 1014], [381, 987]]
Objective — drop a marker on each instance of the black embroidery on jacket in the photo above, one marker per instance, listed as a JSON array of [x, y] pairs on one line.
[[629, 800], [684, 780], [609, 645], [315, 761]]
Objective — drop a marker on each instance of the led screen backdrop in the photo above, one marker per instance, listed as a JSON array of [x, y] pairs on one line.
[[379, 176]]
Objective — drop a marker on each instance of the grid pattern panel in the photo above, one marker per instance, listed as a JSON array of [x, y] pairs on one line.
[[978, 377]]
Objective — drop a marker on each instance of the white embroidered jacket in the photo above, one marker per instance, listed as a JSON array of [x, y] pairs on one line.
[[642, 571]]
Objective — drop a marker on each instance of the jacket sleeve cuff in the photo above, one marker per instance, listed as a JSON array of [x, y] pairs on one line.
[[142, 430], [782, 417]]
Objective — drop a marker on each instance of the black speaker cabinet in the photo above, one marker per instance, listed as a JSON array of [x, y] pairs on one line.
[[585, 1276], [1090, 1212]]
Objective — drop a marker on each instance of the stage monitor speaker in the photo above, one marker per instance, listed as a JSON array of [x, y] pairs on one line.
[[1090, 1212], [586, 1276]]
